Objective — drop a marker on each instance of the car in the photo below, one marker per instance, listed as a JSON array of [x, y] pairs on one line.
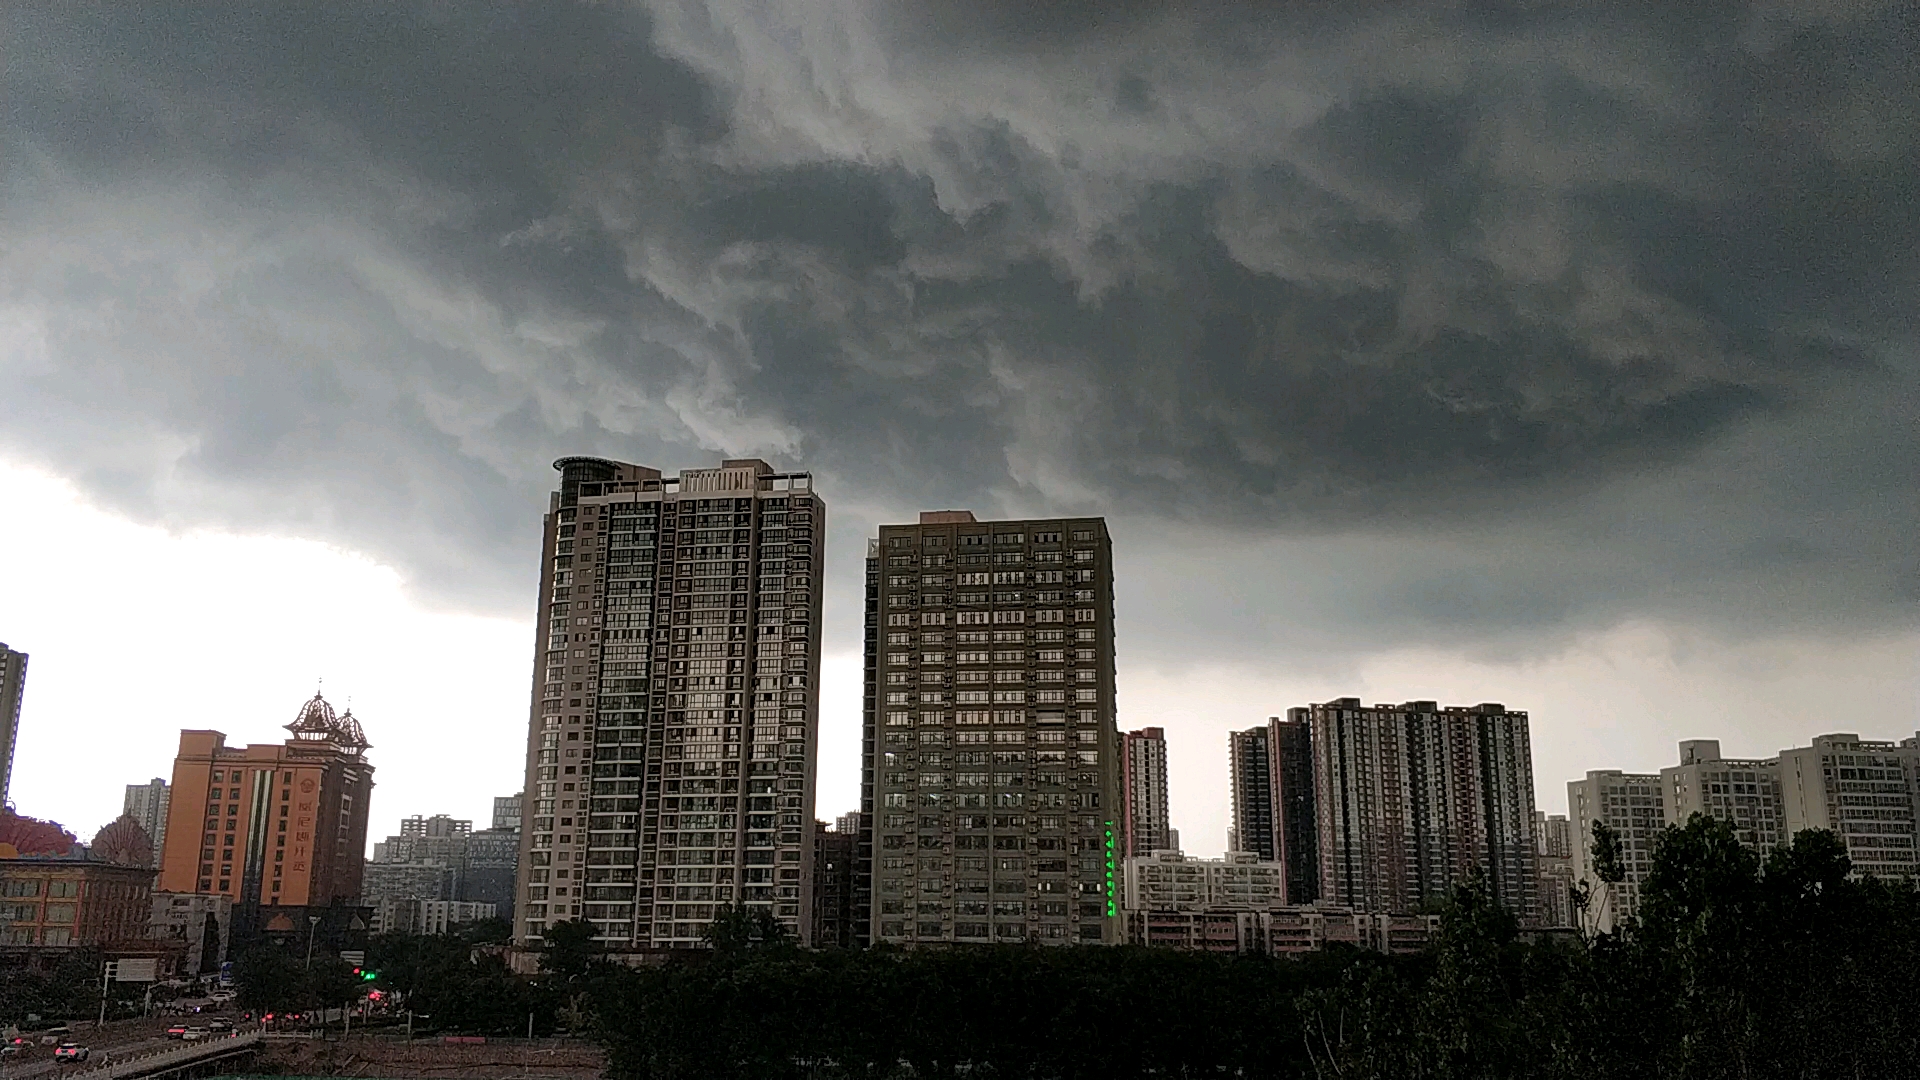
[[176, 1030], [11, 1049], [221, 995], [219, 1027], [195, 1034], [70, 1052]]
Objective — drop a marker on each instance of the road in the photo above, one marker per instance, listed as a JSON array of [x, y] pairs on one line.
[[117, 1038]]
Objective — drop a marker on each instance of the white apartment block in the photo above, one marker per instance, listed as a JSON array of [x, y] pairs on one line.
[[1634, 805], [1861, 789], [1170, 881], [1742, 791]]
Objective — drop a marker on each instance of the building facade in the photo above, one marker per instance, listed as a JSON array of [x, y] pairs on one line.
[[147, 805], [1863, 790], [506, 813], [1143, 773], [1553, 843], [415, 915], [1743, 792], [200, 925], [833, 873], [53, 905], [13, 690], [1271, 780], [990, 761], [1238, 904], [1635, 807], [672, 743], [1250, 769], [1413, 798], [275, 825]]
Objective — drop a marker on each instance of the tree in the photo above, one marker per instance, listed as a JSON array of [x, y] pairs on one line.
[[737, 928], [569, 948]]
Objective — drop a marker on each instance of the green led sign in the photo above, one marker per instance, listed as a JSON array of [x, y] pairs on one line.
[[1113, 906]]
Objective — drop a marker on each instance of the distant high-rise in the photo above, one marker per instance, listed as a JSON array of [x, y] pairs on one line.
[[1250, 763], [673, 731], [13, 688], [1553, 844], [990, 772], [1273, 799], [273, 825], [1413, 798], [147, 804], [1635, 807], [1861, 789], [506, 812], [1744, 792], [1143, 774]]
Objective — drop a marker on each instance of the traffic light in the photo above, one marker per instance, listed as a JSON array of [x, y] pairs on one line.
[[366, 976]]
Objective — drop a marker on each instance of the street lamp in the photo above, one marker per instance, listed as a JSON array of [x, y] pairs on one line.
[[313, 923]]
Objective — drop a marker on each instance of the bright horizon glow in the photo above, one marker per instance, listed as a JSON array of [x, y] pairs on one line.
[[136, 632]]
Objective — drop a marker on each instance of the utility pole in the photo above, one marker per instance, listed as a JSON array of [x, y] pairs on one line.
[[106, 977]]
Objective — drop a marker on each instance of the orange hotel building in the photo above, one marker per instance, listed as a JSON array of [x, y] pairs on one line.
[[271, 825]]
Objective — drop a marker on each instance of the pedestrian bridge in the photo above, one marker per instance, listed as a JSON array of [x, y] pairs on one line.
[[183, 1060]]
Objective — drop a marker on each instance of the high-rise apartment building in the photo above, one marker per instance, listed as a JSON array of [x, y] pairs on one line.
[[278, 825], [13, 688], [990, 768], [1250, 766], [147, 804], [1744, 792], [1861, 789], [1143, 773], [673, 734], [1635, 807], [1273, 800], [833, 873], [1553, 843], [1412, 798]]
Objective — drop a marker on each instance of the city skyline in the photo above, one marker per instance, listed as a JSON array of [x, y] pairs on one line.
[[1558, 356]]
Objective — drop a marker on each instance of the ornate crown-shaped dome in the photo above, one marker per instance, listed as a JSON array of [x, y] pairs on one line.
[[318, 722], [123, 841]]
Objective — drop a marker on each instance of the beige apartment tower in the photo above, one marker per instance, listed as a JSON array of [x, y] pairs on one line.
[[673, 732], [1636, 808], [1862, 789], [991, 767], [1742, 791]]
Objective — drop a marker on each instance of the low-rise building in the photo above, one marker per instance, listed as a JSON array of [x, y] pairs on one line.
[[200, 924], [51, 905], [1238, 904], [416, 916]]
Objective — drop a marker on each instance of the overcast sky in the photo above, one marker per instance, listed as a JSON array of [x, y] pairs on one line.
[[1562, 355]]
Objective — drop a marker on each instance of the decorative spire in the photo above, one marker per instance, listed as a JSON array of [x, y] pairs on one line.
[[316, 720]]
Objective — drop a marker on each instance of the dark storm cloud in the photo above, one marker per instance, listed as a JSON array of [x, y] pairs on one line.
[[1487, 321]]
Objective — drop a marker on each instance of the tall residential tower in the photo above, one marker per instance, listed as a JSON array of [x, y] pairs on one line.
[[1143, 772], [1273, 799], [991, 781], [673, 731], [1413, 798]]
